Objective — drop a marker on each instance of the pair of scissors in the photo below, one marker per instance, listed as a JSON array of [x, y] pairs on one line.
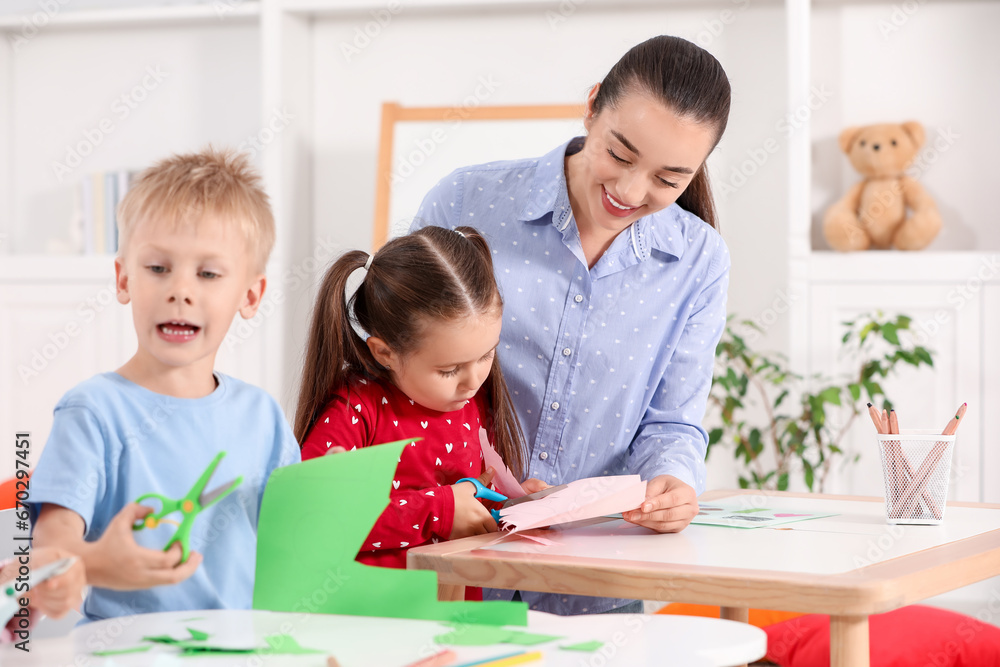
[[190, 506], [489, 494]]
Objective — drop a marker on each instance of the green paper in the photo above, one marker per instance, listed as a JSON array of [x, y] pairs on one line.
[[528, 638], [483, 635], [163, 639], [190, 620], [315, 517], [583, 646], [198, 635], [286, 644], [122, 651]]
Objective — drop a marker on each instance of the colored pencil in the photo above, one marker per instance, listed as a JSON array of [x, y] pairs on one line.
[[442, 659], [930, 463], [506, 660]]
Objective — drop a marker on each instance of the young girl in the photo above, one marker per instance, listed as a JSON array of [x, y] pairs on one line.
[[428, 371]]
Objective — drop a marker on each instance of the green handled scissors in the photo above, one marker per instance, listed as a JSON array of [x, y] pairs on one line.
[[190, 506]]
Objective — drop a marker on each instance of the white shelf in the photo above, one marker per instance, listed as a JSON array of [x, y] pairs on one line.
[[893, 266], [42, 269], [137, 17]]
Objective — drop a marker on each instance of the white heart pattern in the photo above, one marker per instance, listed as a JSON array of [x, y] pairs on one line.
[[424, 424], [328, 444], [358, 407], [403, 544], [402, 502], [411, 401], [429, 493], [354, 420], [326, 421], [384, 400], [395, 483], [416, 526], [376, 544], [467, 426], [435, 518], [448, 420], [448, 447], [395, 423], [437, 462]]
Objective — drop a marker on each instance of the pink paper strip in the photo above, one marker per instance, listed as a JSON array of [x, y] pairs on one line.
[[504, 480], [582, 499]]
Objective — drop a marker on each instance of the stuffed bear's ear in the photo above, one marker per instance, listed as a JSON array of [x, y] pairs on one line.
[[916, 132], [847, 138]]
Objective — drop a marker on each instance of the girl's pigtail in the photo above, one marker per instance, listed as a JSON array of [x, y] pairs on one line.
[[331, 349], [508, 437]]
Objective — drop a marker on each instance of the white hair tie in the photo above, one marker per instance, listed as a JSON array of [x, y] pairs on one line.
[[368, 264]]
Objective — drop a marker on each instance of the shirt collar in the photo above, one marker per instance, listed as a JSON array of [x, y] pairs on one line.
[[663, 231]]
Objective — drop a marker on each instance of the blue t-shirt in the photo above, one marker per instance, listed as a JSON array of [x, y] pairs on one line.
[[113, 441]]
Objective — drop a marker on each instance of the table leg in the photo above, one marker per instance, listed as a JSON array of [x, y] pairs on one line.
[[740, 614], [849, 641], [450, 593]]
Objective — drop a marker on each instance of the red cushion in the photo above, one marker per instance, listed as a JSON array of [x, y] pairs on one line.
[[917, 635]]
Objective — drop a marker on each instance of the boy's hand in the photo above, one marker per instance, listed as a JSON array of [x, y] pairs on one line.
[[121, 564], [471, 518]]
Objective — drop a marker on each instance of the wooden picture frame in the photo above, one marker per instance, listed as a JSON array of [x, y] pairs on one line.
[[555, 122]]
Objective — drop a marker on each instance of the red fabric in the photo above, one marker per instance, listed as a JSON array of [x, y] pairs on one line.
[[916, 635], [422, 506]]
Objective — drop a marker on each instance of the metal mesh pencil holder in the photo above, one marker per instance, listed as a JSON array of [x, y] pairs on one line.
[[916, 466]]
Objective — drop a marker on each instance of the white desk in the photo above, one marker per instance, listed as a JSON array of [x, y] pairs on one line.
[[630, 640], [849, 566]]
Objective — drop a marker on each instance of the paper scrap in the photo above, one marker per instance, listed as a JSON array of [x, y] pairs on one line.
[[481, 635], [504, 479], [740, 516], [198, 635], [583, 646], [122, 651], [287, 644], [583, 499], [336, 501]]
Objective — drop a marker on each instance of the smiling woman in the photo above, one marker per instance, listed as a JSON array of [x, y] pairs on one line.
[[616, 278]]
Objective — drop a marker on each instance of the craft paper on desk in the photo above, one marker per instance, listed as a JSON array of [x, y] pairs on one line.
[[582, 499], [484, 635], [313, 521], [741, 516], [504, 480]]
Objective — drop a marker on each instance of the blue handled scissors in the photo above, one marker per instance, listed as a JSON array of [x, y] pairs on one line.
[[487, 493]]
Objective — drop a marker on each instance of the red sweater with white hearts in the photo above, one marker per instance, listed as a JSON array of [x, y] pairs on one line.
[[421, 502]]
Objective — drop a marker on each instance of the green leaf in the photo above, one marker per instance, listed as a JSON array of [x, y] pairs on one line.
[[889, 333], [867, 329], [903, 322], [781, 397], [809, 473], [923, 355], [830, 395], [755, 443], [783, 482], [855, 390], [744, 483], [714, 436]]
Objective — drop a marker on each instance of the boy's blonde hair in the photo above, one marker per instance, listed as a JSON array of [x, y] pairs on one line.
[[184, 189]]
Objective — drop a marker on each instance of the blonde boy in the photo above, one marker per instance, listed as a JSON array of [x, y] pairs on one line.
[[195, 233]]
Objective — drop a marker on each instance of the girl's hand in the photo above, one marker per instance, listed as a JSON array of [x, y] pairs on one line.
[[58, 595], [471, 518], [119, 563], [336, 449], [533, 485]]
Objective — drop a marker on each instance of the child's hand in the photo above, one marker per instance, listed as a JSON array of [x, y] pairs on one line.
[[121, 564], [59, 594], [533, 485], [335, 450], [471, 518]]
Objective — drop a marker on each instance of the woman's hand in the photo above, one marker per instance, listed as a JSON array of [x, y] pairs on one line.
[[471, 518], [669, 506], [533, 485]]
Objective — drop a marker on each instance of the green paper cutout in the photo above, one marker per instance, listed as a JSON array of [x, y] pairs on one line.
[[583, 646], [198, 635], [286, 644], [122, 651], [190, 620], [528, 638], [163, 639], [316, 515], [480, 635]]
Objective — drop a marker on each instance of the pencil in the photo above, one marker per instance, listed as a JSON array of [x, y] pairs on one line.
[[930, 464], [876, 418], [506, 660], [442, 659], [893, 422]]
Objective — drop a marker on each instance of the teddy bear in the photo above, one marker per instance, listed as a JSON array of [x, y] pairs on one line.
[[873, 213]]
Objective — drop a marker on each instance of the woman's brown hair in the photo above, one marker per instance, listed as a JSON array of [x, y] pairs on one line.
[[687, 79], [433, 274]]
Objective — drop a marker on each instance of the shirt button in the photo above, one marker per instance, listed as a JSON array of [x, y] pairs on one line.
[[543, 455], [555, 405], [578, 298], [567, 351]]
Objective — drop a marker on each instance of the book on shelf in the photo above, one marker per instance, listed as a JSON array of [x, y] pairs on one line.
[[97, 198]]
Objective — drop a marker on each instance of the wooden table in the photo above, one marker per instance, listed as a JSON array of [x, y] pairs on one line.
[[849, 566], [359, 641]]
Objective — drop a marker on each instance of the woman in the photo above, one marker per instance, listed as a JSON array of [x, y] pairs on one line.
[[615, 281]]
